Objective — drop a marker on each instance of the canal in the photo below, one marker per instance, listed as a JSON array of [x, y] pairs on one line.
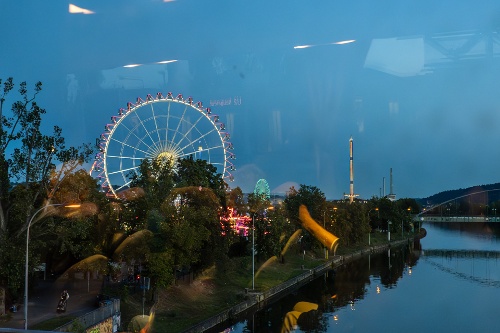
[[448, 281]]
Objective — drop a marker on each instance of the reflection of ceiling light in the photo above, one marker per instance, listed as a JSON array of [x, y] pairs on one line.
[[345, 42], [334, 43], [78, 10], [132, 65], [166, 61]]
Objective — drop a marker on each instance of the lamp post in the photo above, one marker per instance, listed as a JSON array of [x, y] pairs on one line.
[[369, 231], [253, 252], [26, 259], [324, 227], [389, 230]]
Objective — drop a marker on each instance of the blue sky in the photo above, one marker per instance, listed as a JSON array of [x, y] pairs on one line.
[[417, 89]]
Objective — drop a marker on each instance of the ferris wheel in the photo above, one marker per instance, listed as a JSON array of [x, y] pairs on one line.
[[262, 188], [160, 127]]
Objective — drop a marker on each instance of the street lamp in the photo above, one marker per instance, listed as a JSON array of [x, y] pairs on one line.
[[389, 230], [324, 227], [26, 262], [253, 252], [369, 231]]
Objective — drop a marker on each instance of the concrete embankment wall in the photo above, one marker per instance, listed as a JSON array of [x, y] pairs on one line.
[[258, 300]]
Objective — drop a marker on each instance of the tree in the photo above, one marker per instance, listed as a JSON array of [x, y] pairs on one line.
[[191, 227], [236, 200], [198, 172], [31, 163], [74, 234], [278, 232], [315, 201], [269, 225], [34, 154], [310, 196], [181, 205]]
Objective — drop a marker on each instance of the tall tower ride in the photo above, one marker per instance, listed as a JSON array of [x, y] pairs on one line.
[[351, 194]]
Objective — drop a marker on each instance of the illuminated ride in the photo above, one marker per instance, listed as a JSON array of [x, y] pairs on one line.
[[262, 188], [159, 127]]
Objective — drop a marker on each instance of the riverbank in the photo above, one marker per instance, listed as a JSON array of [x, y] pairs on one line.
[[255, 300]]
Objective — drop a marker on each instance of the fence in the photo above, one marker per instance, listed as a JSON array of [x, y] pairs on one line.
[[110, 309]]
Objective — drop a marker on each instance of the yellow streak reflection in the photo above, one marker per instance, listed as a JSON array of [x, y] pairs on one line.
[[264, 265], [292, 317], [95, 262], [329, 240], [140, 237], [293, 239]]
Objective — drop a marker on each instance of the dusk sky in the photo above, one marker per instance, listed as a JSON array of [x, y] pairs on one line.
[[415, 83]]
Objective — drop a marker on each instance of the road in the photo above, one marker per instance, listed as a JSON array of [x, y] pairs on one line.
[[43, 299]]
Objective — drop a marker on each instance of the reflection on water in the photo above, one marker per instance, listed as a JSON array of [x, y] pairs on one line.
[[449, 281]]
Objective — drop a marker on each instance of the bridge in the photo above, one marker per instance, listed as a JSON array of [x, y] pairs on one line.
[[456, 219], [456, 210]]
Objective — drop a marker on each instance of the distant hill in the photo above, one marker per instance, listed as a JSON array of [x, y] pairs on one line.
[[481, 194]]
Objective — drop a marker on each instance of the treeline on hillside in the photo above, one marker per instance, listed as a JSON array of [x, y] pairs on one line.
[[484, 197]]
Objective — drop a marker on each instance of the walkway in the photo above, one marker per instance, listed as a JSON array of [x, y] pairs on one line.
[[44, 297]]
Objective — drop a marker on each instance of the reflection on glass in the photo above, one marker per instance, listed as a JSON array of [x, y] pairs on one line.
[[299, 314]]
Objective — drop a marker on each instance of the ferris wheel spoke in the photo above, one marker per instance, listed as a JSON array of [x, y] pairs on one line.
[[212, 148], [129, 146], [141, 121], [156, 123], [125, 157], [193, 126], [122, 171], [181, 119], [199, 138], [187, 154], [131, 131], [168, 118], [124, 186]]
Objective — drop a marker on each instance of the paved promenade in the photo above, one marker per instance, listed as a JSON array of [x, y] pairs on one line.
[[43, 299]]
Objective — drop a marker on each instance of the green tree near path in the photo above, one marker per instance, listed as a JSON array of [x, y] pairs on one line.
[[31, 162]]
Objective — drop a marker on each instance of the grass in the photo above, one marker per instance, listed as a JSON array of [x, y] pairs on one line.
[[182, 306]]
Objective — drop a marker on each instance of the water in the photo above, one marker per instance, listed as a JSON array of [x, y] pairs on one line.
[[447, 282]]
